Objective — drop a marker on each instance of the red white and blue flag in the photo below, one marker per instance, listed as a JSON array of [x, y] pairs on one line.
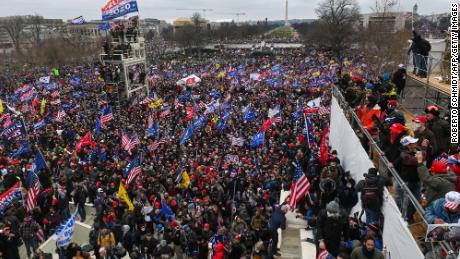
[[117, 8], [299, 187]]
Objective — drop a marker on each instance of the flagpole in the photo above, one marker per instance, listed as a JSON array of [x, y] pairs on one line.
[[308, 133]]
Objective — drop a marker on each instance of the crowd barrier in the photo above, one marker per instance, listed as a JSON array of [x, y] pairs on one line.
[[348, 123]]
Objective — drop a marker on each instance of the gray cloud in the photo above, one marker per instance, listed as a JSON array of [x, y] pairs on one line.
[[166, 9]]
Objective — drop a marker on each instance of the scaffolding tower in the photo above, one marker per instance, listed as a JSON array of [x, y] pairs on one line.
[[125, 55]]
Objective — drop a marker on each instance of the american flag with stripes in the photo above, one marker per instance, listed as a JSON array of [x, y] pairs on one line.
[[133, 170], [202, 105], [33, 191], [6, 118], [124, 140], [106, 116], [129, 144], [147, 100], [55, 94], [178, 104], [55, 101], [165, 113], [276, 119], [324, 111], [299, 187], [60, 115], [323, 255], [157, 143]]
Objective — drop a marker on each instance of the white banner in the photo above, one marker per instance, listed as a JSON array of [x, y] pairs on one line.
[[396, 236]]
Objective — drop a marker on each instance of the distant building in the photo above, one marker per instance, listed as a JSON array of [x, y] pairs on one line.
[[184, 21], [151, 24], [389, 22], [88, 31]]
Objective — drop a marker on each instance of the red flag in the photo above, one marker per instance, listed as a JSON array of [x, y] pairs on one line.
[[190, 113], [324, 148], [84, 141], [35, 102], [266, 126]]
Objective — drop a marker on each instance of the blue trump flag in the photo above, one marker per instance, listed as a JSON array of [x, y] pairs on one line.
[[104, 27], [39, 163], [23, 149], [187, 134], [250, 115], [166, 210], [199, 122], [153, 130], [258, 139], [98, 127]]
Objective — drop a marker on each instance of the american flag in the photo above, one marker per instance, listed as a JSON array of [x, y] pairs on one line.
[[299, 187], [177, 104], [40, 234], [147, 100], [55, 101], [33, 191], [165, 113], [55, 94], [202, 105], [60, 115], [130, 144], [276, 119], [323, 255], [7, 120], [134, 169], [157, 143], [125, 140], [324, 111], [107, 115], [101, 103]]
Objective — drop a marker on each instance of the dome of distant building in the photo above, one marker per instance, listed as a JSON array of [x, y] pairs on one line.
[[182, 21]]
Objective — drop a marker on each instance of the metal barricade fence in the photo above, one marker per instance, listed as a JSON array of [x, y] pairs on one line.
[[429, 65], [382, 164]]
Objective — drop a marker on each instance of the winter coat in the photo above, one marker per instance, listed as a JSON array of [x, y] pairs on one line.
[[441, 131], [432, 147], [454, 164], [366, 116], [278, 220], [359, 254], [331, 230], [436, 210], [399, 78], [436, 186], [408, 166], [372, 180]]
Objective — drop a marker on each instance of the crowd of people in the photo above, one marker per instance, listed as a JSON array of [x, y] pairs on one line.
[[195, 169]]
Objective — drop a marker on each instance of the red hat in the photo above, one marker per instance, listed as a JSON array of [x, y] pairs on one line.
[[439, 167], [173, 203], [203, 192], [421, 119], [152, 197], [291, 145], [114, 204], [157, 204], [393, 102], [397, 128], [206, 225], [45, 221], [174, 224], [266, 196], [98, 184]]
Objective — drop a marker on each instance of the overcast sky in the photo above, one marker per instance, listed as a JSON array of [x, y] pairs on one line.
[[166, 9]]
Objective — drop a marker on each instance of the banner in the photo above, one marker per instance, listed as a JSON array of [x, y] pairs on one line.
[[11, 195], [14, 131], [118, 8], [354, 158], [64, 233], [44, 79]]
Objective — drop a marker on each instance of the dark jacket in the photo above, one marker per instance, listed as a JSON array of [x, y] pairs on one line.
[[399, 78], [331, 230], [372, 180], [432, 147], [436, 186], [441, 131], [278, 220], [408, 166]]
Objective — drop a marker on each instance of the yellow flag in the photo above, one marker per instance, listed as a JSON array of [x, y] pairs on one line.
[[218, 66], [122, 194], [184, 184], [316, 73], [42, 107], [221, 75], [155, 104], [1, 106]]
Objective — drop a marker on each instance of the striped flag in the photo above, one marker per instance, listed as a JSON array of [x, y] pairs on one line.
[[276, 119], [157, 143], [55, 94], [177, 104], [33, 191], [60, 115], [133, 170], [147, 100], [55, 101], [40, 234], [324, 111], [106, 116], [124, 140], [299, 187], [202, 105], [130, 143], [165, 113], [323, 255]]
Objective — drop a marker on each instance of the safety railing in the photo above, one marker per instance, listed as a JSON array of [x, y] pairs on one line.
[[383, 165], [429, 66]]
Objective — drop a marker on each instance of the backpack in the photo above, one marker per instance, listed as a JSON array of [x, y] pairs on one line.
[[424, 46], [370, 197]]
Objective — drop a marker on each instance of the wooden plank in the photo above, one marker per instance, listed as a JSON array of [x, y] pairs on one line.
[[433, 83]]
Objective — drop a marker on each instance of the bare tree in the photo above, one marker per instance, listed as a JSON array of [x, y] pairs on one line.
[[338, 20], [36, 23], [14, 26]]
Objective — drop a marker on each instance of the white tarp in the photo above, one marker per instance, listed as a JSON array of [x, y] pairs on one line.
[[396, 236]]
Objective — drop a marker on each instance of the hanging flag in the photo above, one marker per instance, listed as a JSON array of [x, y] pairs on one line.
[[64, 232], [133, 170], [299, 187], [14, 131], [33, 191], [125, 139], [23, 149], [122, 194], [78, 20], [132, 143], [43, 107], [258, 139], [187, 134], [199, 123], [185, 182], [9, 197]]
